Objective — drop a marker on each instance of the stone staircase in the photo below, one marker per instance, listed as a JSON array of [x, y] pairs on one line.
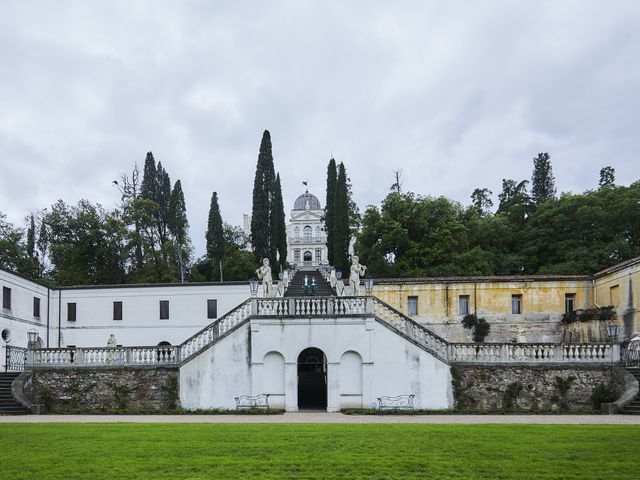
[[296, 284], [8, 404], [633, 408]]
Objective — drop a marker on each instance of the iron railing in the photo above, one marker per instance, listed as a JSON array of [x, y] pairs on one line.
[[15, 358], [630, 354]]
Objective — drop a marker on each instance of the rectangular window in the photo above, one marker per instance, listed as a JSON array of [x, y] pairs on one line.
[[516, 304], [412, 305], [36, 307], [296, 255], [463, 304], [6, 298], [569, 302], [614, 295], [164, 309], [71, 312], [117, 310], [212, 308], [318, 255]]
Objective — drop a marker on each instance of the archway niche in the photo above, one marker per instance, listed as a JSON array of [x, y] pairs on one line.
[[312, 379], [273, 379], [351, 380], [307, 257]]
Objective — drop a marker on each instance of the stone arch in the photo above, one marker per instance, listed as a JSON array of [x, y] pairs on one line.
[[273, 378], [350, 380], [312, 379]]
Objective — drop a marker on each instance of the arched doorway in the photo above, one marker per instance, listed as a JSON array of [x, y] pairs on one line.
[[312, 379], [307, 258]]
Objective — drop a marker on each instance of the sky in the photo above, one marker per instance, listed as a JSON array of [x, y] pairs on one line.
[[457, 95]]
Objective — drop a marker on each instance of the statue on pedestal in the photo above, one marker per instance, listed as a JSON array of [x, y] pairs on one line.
[[264, 274], [112, 342], [354, 278]]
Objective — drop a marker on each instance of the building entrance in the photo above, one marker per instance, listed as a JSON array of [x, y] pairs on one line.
[[312, 380]]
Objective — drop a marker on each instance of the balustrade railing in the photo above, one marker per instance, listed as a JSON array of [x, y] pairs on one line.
[[105, 356], [310, 306], [433, 343], [533, 353]]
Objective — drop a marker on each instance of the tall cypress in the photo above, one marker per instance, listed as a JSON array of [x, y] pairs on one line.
[[280, 231], [149, 187], [163, 197], [330, 208], [177, 215], [543, 185], [341, 222], [31, 238], [215, 234], [261, 218]]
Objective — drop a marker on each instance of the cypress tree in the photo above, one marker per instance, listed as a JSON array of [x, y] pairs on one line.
[[177, 215], [31, 238], [542, 181], [215, 234], [149, 187], [329, 208], [263, 185], [341, 222], [163, 197], [280, 231]]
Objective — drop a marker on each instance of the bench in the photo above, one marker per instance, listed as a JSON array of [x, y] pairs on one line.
[[253, 401], [399, 402]]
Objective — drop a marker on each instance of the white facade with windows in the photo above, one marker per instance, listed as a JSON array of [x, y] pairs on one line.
[[306, 237]]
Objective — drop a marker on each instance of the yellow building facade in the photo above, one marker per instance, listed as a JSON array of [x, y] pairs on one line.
[[518, 308]]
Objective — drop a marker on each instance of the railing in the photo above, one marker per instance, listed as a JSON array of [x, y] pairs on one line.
[[428, 340], [630, 354], [106, 357], [213, 332], [533, 353], [14, 358], [311, 306]]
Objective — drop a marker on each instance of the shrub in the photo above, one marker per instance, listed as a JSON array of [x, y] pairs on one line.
[[603, 393], [480, 326], [589, 314]]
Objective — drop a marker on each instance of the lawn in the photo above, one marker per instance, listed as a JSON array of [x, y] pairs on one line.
[[192, 451]]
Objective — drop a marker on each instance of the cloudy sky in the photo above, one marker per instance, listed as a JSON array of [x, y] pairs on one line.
[[457, 95]]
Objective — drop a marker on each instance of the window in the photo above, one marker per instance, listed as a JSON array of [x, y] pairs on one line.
[[6, 335], [614, 295], [117, 310], [6, 298], [296, 233], [463, 304], [412, 305], [36, 307], [164, 309], [318, 255], [318, 233], [296, 255], [212, 308], [569, 302], [516, 304], [306, 231], [71, 312]]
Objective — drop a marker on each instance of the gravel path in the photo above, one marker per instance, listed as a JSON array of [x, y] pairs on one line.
[[322, 417]]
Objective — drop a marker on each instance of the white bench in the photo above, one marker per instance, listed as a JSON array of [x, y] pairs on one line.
[[253, 401], [399, 402]]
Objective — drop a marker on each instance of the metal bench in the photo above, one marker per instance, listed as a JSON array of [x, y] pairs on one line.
[[253, 401], [399, 402]]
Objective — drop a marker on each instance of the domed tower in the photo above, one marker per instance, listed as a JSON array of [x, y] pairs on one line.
[[306, 238]]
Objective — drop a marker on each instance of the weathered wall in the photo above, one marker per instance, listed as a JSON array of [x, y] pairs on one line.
[[486, 387], [138, 389], [619, 286]]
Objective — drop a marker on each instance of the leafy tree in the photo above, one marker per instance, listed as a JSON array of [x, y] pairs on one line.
[[261, 213], [607, 177], [163, 199], [329, 210], [237, 262], [542, 181], [279, 227], [215, 234], [13, 250], [515, 202], [481, 200], [31, 238]]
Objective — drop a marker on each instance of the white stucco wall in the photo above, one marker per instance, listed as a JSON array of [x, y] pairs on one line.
[[219, 374], [364, 360]]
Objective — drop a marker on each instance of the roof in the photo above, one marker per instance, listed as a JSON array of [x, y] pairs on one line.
[[307, 199], [617, 266], [476, 279]]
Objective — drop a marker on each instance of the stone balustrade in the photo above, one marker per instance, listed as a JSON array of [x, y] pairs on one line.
[[327, 307]]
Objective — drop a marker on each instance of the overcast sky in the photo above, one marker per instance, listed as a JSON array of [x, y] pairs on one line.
[[457, 95]]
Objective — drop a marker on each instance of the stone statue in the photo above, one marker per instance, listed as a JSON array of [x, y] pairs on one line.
[[354, 278], [264, 274], [112, 342]]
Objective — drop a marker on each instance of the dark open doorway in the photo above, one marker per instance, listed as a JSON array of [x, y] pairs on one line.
[[312, 380]]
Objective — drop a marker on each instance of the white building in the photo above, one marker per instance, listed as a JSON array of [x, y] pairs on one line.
[[306, 237]]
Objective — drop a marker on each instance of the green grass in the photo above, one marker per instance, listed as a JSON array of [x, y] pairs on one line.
[[193, 451]]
